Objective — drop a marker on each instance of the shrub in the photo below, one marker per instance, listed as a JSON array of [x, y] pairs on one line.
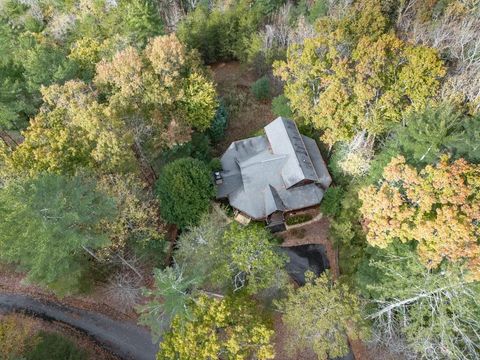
[[281, 106], [219, 124], [184, 189], [215, 164], [331, 203], [261, 88], [55, 347], [16, 336], [298, 219]]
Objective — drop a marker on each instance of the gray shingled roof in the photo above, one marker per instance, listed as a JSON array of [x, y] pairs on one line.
[[260, 173]]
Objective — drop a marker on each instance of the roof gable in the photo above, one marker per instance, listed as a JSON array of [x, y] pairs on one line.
[[284, 138]]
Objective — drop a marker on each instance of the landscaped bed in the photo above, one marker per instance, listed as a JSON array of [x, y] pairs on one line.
[[298, 219]]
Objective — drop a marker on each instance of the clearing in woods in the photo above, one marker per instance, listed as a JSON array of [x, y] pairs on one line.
[[246, 115]]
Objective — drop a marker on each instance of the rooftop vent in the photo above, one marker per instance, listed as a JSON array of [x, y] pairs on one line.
[[218, 178]]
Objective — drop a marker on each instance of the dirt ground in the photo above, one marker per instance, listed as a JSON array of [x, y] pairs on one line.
[[247, 115], [313, 233], [13, 282]]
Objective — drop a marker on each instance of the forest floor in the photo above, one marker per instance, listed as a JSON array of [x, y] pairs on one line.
[[247, 115], [97, 300]]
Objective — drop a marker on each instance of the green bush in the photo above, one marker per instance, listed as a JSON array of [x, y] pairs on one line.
[[331, 203], [261, 88], [215, 164], [281, 106], [55, 347], [298, 219], [319, 9], [184, 188], [219, 124]]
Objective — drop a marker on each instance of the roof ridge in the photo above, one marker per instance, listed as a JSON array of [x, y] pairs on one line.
[[300, 136]]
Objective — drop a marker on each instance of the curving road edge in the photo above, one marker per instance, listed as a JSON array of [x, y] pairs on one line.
[[123, 338]]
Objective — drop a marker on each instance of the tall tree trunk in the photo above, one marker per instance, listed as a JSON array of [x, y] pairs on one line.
[[147, 170], [8, 139], [172, 234]]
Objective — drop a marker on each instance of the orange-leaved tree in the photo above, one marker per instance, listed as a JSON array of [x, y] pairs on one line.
[[438, 206]]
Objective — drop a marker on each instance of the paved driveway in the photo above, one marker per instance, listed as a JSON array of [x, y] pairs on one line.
[[123, 338]]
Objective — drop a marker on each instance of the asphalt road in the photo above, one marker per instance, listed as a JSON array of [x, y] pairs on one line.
[[123, 338]]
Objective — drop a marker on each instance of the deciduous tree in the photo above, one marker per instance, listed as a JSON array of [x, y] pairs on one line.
[[72, 131], [198, 249], [321, 315], [230, 328], [164, 79], [354, 75], [138, 225], [253, 262], [232, 257], [438, 207]]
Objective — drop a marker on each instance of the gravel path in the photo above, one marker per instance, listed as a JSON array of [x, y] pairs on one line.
[[123, 338]]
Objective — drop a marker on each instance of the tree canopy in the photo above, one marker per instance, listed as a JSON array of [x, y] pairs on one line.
[[439, 207], [49, 223], [154, 98], [248, 259], [184, 189], [229, 328], [320, 315], [354, 75], [435, 310]]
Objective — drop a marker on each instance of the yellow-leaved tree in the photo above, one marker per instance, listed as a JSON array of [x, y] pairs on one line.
[[230, 328], [355, 75], [140, 103], [164, 82], [73, 130]]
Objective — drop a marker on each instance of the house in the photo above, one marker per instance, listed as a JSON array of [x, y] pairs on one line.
[[266, 176]]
